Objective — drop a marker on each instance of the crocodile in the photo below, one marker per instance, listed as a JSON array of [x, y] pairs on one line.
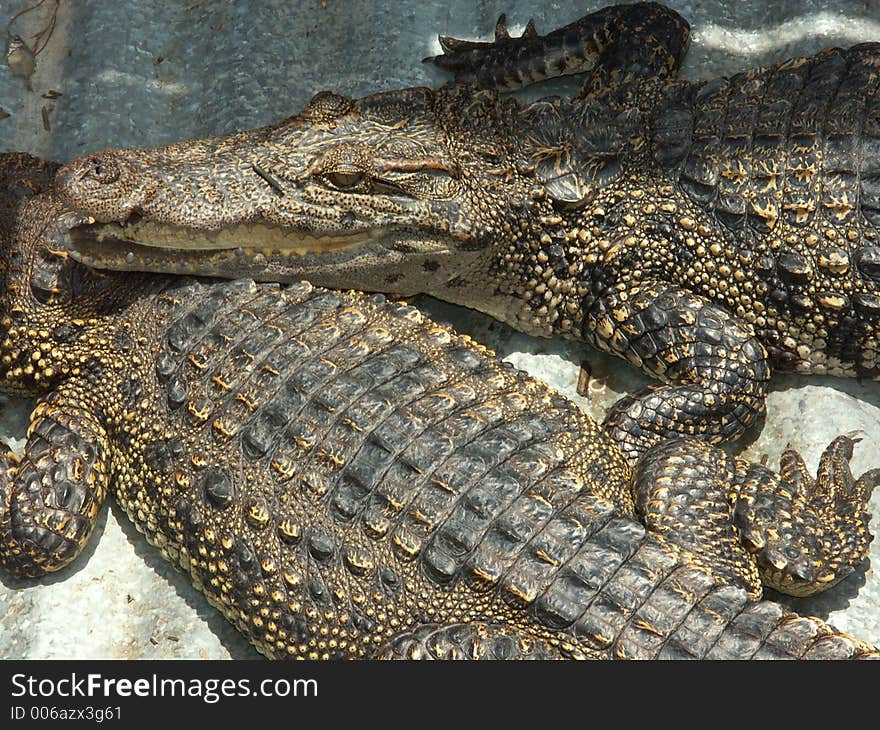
[[344, 478], [709, 232]]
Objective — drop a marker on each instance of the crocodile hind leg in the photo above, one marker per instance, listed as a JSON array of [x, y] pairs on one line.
[[51, 498], [716, 371], [750, 525], [591, 584], [643, 36]]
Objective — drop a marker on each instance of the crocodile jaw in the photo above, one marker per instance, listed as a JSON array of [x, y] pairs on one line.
[[260, 251], [142, 232]]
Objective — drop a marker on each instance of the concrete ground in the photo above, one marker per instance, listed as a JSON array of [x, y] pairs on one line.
[[147, 72]]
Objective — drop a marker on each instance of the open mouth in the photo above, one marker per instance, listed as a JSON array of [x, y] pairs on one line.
[[148, 233], [142, 244]]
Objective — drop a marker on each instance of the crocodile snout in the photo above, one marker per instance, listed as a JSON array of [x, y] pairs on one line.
[[100, 184]]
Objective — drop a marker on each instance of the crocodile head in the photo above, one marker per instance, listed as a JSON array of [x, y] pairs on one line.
[[456, 192], [376, 193]]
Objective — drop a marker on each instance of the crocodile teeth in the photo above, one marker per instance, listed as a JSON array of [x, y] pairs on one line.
[[256, 236]]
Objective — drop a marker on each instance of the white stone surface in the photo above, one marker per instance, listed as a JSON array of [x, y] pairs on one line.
[[145, 72]]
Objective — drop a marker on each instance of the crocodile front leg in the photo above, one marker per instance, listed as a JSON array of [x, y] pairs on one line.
[[716, 371], [52, 498]]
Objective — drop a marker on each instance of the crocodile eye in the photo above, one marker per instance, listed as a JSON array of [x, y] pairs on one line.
[[345, 180]]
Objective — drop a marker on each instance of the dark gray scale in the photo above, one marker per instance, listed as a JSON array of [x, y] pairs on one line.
[[600, 558], [300, 316], [462, 488], [847, 109], [218, 487], [782, 85], [313, 375], [494, 442], [811, 109], [166, 363], [533, 461], [793, 267], [341, 394], [321, 545], [710, 102], [744, 89], [462, 426], [869, 159], [235, 323], [401, 425], [789, 639], [443, 401], [176, 391], [182, 332], [350, 496], [673, 126], [371, 406], [423, 452], [365, 470], [384, 434], [867, 304], [867, 260], [699, 174], [264, 429], [395, 489], [189, 513], [191, 325], [564, 599], [747, 632], [463, 496], [483, 512], [243, 357], [537, 568], [531, 429], [163, 454], [286, 355], [626, 592], [659, 613], [244, 570], [412, 384], [382, 366], [840, 183], [561, 174], [705, 622], [869, 171], [492, 503], [652, 630]]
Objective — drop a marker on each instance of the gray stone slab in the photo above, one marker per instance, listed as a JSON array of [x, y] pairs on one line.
[[146, 72]]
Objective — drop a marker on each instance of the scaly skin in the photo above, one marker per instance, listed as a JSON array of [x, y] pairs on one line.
[[342, 477], [708, 232]]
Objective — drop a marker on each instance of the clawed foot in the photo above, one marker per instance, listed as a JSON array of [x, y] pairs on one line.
[[807, 534], [457, 57]]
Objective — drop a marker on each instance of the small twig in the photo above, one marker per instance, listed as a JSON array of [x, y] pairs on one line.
[[42, 37]]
